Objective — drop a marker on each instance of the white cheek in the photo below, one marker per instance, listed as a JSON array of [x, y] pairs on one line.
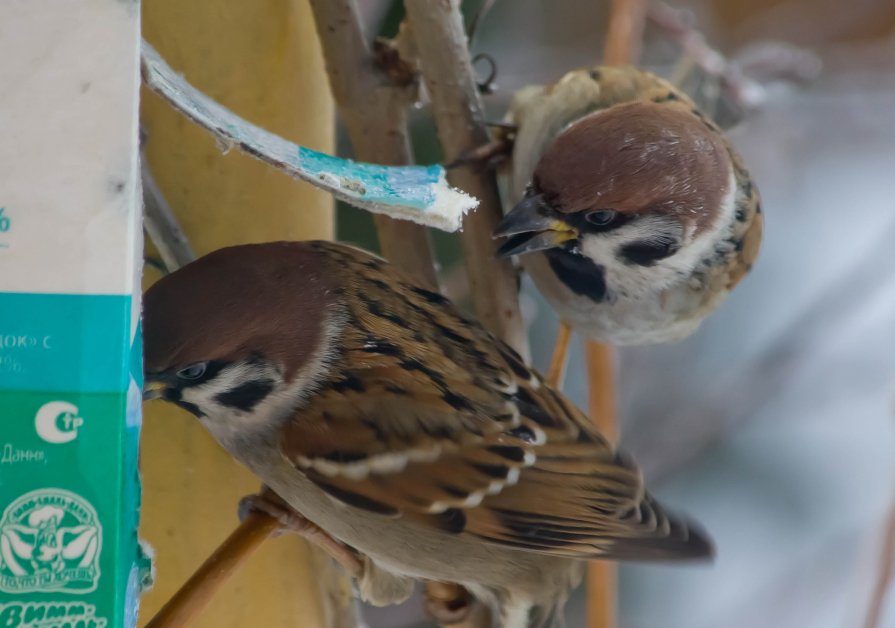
[[632, 280], [627, 280]]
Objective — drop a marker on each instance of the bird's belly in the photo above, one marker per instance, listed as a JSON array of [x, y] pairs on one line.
[[619, 320], [409, 549]]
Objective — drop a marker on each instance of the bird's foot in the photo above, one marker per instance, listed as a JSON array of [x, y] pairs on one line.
[[490, 155], [269, 503], [447, 603]]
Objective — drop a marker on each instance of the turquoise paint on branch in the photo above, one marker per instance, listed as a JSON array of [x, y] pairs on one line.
[[409, 185], [418, 193]]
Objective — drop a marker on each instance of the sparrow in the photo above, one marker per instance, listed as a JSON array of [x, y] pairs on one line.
[[384, 416], [634, 215]]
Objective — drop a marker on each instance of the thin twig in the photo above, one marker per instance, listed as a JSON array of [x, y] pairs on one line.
[[769, 60], [602, 576], [623, 41], [601, 404], [373, 105], [557, 369], [437, 29], [884, 576], [415, 193], [161, 225]]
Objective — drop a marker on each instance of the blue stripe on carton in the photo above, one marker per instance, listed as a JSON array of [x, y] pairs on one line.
[[65, 342]]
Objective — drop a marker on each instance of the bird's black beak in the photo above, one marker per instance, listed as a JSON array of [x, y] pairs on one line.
[[532, 226], [154, 388]]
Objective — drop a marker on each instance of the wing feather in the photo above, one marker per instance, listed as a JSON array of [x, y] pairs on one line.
[[434, 420]]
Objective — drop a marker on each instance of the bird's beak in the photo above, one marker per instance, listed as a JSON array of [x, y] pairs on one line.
[[532, 226], [153, 389]]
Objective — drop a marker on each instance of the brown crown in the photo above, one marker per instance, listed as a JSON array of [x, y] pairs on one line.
[[635, 158], [266, 299]]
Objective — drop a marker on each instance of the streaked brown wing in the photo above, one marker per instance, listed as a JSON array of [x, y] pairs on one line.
[[433, 419]]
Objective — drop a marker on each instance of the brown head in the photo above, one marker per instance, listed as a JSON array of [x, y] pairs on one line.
[[630, 187], [226, 331]]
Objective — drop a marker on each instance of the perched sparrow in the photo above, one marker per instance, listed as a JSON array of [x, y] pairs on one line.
[[636, 217], [380, 413]]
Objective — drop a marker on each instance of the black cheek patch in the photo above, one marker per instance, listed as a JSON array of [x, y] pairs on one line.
[[580, 274], [246, 396], [648, 252]]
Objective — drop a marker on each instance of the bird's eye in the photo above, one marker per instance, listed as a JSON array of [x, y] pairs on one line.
[[194, 371], [600, 217]]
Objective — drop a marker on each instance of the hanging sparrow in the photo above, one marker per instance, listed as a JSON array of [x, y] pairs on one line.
[[381, 414], [634, 215]]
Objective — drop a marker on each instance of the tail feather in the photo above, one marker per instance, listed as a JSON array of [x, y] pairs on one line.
[[667, 537]]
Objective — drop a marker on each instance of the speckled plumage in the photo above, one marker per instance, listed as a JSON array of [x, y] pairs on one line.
[[413, 435], [666, 296]]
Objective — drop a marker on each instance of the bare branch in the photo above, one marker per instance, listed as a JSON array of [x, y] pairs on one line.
[[416, 193], [739, 80], [437, 29], [884, 575], [372, 92]]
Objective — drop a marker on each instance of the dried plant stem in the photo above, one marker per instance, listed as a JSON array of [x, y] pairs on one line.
[[740, 79], [373, 109], [161, 224], [557, 368], [623, 40], [602, 576], [197, 592], [626, 23], [884, 576], [441, 45], [600, 359]]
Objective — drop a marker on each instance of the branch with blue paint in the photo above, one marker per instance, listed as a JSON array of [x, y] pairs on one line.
[[417, 193]]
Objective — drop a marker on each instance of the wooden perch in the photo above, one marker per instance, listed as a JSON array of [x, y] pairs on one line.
[[197, 592]]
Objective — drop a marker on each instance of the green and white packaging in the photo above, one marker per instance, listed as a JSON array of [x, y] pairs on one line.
[[70, 346]]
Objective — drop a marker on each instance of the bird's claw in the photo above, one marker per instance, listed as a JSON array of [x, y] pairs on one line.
[[447, 603], [485, 157], [271, 504]]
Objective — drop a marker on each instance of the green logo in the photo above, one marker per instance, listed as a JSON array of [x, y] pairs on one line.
[[50, 540]]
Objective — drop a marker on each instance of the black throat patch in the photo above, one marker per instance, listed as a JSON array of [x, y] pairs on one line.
[[579, 273], [175, 396]]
